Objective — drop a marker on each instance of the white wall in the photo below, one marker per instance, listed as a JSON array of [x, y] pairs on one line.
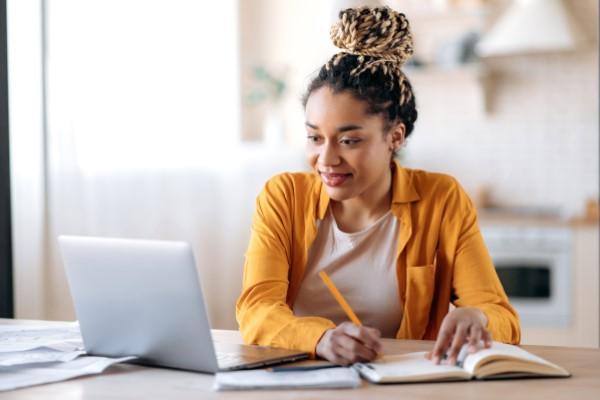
[[538, 146]]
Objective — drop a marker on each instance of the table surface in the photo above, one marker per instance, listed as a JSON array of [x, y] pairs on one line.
[[127, 381]]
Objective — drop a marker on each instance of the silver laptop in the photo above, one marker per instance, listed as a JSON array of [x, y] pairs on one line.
[[143, 298]]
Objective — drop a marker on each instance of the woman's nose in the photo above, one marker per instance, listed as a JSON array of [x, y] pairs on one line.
[[328, 155]]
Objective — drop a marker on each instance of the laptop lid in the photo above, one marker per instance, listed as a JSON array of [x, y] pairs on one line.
[[143, 298]]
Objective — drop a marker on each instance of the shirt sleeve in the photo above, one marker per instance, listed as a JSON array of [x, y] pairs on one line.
[[263, 315], [475, 282]]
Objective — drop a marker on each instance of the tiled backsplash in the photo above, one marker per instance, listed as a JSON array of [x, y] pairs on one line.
[[537, 146]]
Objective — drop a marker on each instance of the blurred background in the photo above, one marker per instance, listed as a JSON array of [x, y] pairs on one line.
[[163, 119]]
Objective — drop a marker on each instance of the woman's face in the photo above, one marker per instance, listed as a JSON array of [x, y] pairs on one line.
[[346, 146]]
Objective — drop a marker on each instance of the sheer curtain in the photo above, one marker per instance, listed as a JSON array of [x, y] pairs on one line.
[[142, 136]]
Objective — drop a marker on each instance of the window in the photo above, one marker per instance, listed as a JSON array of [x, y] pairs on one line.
[[141, 84]]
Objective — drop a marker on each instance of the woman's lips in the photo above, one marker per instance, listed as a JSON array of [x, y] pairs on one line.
[[335, 179]]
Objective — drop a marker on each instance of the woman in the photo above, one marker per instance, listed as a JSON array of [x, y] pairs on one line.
[[400, 244]]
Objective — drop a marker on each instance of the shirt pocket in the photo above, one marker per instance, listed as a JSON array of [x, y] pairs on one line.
[[420, 287]]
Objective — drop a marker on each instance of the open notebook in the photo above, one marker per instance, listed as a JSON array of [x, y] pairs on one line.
[[501, 361]]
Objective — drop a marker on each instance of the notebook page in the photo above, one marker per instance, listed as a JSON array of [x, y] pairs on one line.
[[409, 367], [501, 349]]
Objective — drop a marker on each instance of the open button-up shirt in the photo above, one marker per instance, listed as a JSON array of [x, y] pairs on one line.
[[441, 259]]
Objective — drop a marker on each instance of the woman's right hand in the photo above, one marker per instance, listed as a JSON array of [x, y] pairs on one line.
[[349, 343]]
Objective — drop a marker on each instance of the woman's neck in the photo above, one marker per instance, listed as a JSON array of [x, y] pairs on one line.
[[359, 212]]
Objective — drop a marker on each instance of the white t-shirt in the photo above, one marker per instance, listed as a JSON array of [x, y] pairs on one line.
[[362, 265]]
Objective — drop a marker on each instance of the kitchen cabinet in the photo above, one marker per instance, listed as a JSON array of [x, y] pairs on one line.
[[567, 312], [583, 331]]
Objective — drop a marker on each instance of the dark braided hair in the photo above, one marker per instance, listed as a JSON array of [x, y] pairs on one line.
[[375, 43]]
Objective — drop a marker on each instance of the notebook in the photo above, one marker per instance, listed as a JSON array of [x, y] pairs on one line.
[[501, 361], [328, 378], [143, 298]]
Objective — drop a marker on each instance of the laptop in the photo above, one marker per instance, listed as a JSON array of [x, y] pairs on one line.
[[143, 298]]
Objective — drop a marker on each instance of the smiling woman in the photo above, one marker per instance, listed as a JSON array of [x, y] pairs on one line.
[[345, 144], [401, 244]]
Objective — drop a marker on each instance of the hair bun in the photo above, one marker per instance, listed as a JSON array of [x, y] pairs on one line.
[[378, 32]]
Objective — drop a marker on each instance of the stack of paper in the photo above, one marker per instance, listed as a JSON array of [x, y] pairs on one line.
[[21, 345], [28, 375], [327, 378], [43, 354]]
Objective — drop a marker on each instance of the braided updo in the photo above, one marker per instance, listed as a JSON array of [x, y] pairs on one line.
[[375, 43]]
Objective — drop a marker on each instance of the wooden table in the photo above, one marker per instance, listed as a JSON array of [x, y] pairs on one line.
[[126, 381]]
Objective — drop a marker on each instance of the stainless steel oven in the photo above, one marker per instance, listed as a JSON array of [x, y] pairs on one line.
[[534, 266]]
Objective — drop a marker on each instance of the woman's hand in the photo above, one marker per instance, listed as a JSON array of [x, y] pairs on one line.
[[349, 343], [460, 326]]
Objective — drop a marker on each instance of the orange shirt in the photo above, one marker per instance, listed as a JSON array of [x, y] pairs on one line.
[[441, 258]]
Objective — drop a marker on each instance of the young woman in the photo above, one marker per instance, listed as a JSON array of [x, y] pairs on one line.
[[401, 245]]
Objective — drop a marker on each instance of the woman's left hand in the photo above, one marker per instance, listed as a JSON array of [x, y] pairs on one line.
[[462, 325]]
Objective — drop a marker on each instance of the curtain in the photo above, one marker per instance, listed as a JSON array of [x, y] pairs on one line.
[[142, 108]]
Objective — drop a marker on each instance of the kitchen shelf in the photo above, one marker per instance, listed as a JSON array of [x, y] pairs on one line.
[[473, 74], [470, 71]]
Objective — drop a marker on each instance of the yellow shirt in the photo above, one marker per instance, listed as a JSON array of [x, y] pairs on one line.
[[441, 258]]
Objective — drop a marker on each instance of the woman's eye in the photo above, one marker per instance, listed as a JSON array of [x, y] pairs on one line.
[[349, 142], [312, 139]]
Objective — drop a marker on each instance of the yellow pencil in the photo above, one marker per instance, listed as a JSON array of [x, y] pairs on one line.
[[340, 299]]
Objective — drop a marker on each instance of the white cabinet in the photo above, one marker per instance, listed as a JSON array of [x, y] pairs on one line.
[[550, 271], [583, 331]]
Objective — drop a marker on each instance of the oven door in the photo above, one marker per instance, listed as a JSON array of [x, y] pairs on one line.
[[535, 272]]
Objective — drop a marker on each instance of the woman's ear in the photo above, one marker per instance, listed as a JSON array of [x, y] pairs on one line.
[[398, 133]]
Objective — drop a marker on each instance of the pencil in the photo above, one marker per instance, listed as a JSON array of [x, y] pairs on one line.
[[340, 299]]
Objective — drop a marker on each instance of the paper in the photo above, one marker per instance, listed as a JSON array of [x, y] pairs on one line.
[[408, 367], [36, 356], [26, 344], [33, 355], [503, 350], [22, 376], [263, 379], [21, 338]]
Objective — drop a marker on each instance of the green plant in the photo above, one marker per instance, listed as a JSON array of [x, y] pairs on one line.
[[268, 87]]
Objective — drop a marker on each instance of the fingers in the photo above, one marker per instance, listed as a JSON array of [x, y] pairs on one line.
[[475, 335], [369, 337], [462, 325], [487, 339], [459, 339], [349, 343], [441, 344], [353, 351]]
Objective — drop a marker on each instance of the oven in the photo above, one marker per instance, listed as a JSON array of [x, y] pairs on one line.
[[534, 266]]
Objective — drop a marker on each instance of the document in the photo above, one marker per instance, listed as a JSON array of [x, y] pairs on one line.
[[328, 378], [22, 376], [23, 337], [36, 356], [33, 355], [24, 344]]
